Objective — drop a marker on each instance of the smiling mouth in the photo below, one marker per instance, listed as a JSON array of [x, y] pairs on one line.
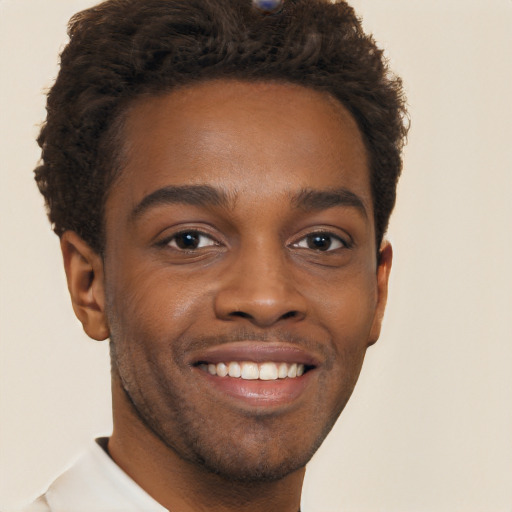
[[266, 375], [250, 370]]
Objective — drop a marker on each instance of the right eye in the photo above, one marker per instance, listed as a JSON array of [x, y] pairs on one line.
[[191, 241]]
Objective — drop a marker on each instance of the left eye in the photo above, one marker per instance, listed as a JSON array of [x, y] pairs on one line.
[[321, 242], [191, 240]]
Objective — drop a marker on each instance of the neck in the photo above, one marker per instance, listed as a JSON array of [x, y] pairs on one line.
[[178, 484]]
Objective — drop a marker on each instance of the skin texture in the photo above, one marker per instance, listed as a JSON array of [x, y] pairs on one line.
[[256, 279]]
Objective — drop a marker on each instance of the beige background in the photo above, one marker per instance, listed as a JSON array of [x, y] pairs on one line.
[[429, 427]]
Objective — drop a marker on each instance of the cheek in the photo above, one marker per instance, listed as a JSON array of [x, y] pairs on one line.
[[346, 307], [155, 304]]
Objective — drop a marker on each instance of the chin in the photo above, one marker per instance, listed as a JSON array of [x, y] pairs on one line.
[[253, 470], [253, 455]]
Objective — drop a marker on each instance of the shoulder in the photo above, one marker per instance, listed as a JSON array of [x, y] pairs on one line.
[[94, 483], [40, 505]]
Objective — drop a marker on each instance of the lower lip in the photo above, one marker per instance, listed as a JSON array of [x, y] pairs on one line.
[[260, 393]]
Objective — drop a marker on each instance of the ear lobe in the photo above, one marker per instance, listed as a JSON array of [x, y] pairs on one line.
[[84, 273], [383, 271]]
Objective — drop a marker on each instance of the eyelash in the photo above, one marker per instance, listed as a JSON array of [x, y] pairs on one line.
[[168, 242], [341, 243], [198, 235]]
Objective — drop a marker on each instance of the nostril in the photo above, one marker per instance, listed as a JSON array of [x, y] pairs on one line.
[[243, 314], [240, 314]]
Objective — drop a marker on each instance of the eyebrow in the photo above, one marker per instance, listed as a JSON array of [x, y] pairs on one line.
[[197, 195], [206, 195], [311, 199]]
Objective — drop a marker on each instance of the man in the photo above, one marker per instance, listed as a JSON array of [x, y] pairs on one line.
[[221, 175]]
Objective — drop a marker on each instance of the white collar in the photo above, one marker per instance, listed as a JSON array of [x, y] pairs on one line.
[[95, 483]]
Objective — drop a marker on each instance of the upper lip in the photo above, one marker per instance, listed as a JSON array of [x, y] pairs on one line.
[[256, 351]]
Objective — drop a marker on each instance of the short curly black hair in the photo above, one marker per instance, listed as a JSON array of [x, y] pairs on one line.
[[122, 49]]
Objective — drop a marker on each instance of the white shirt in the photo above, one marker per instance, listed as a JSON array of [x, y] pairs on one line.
[[95, 483]]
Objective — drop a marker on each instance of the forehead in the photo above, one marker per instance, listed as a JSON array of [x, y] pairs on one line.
[[244, 137]]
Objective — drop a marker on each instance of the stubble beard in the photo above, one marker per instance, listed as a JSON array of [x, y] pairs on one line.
[[254, 448], [242, 454]]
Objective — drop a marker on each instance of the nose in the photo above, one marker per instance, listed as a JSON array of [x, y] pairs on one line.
[[259, 287]]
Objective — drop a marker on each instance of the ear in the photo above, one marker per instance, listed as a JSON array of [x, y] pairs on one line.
[[84, 273], [383, 271]]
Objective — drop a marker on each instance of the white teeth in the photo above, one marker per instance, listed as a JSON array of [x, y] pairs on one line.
[[252, 371], [283, 371], [234, 370], [268, 371], [292, 371], [222, 370]]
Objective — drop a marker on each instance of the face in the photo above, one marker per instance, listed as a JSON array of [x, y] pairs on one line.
[[241, 278]]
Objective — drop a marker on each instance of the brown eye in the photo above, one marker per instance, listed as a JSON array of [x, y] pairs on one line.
[[321, 242], [191, 240]]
